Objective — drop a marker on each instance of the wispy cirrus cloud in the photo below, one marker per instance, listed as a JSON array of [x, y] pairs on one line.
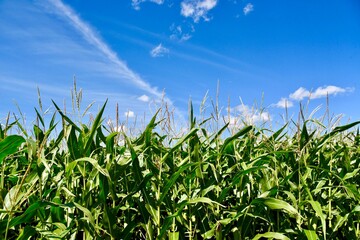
[[23, 85], [197, 9], [159, 51], [94, 39], [248, 8], [136, 3], [118, 69], [195, 53]]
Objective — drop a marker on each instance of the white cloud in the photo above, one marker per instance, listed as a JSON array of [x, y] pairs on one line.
[[261, 117], [284, 103], [197, 9], [248, 8], [144, 98], [136, 3], [249, 115], [207, 4], [129, 114], [187, 9], [116, 127], [320, 92], [159, 51], [300, 94], [329, 90], [241, 109]]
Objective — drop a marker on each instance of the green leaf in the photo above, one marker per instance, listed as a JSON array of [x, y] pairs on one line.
[[218, 134], [166, 224], [110, 142], [340, 221], [27, 233], [351, 175], [352, 191], [356, 209], [145, 137], [344, 127], [10, 145], [126, 233], [31, 212], [203, 200], [7, 127], [66, 118], [135, 162], [154, 213], [275, 136], [39, 117], [235, 136], [277, 204], [172, 181], [304, 136], [93, 162], [174, 236], [179, 143], [149, 230], [12, 198], [87, 213], [96, 124], [272, 235], [39, 134], [192, 119], [318, 212], [218, 231], [209, 234], [137, 173], [73, 144], [310, 234]]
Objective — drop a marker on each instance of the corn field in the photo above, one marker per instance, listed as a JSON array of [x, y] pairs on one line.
[[70, 180]]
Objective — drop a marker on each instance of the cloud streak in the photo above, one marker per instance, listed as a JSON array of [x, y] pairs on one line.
[[92, 38], [119, 67]]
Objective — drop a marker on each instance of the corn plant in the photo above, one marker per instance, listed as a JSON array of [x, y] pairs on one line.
[[69, 180]]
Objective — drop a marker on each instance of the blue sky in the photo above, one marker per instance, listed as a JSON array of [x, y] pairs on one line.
[[266, 54]]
